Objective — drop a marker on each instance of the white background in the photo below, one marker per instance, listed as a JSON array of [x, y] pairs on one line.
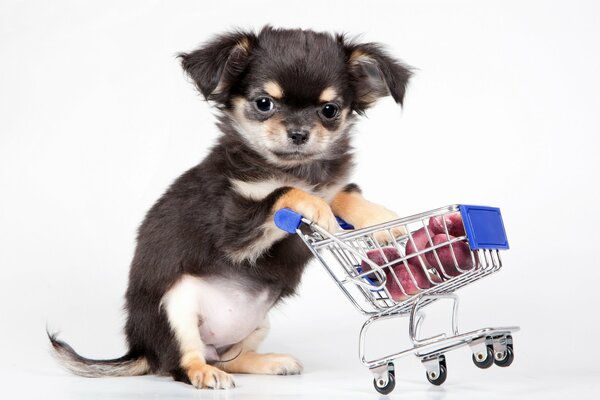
[[97, 119]]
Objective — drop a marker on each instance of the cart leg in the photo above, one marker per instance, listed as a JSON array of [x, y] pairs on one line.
[[416, 318]]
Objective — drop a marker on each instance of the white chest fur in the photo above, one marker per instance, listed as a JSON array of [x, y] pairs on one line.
[[258, 190]]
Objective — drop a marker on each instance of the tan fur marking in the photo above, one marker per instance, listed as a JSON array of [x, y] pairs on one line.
[[329, 94], [192, 357], [319, 130], [369, 98], [238, 103], [358, 211], [244, 44], [273, 89], [359, 56], [274, 125], [311, 207]]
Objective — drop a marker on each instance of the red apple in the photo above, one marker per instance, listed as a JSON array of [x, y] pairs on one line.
[[398, 272], [462, 253], [453, 222], [391, 253], [421, 242]]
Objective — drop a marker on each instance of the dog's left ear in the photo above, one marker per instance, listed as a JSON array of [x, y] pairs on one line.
[[217, 65], [374, 74]]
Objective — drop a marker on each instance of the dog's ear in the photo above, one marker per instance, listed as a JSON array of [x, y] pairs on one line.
[[374, 74], [217, 64]]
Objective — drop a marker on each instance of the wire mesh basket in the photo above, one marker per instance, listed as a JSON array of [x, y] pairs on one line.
[[399, 267]]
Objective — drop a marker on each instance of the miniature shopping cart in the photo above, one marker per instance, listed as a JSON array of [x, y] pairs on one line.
[[397, 268]]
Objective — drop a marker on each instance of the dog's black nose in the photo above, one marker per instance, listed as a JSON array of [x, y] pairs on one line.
[[298, 136]]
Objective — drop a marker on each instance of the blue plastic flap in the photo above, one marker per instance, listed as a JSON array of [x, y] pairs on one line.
[[344, 225], [288, 220], [367, 279], [484, 227]]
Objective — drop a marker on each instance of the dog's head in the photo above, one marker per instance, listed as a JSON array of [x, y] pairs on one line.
[[292, 94]]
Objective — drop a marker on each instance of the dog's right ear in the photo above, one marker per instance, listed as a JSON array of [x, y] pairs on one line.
[[217, 64]]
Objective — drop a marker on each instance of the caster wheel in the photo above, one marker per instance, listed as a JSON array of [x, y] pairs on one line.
[[391, 383], [488, 361], [438, 380], [508, 357]]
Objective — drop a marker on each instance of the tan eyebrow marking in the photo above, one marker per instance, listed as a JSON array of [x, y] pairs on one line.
[[329, 94], [273, 89], [244, 44], [359, 56]]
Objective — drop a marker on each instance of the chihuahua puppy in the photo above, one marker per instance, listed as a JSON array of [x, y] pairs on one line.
[[210, 262]]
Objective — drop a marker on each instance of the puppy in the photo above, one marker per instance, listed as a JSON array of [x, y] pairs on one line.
[[209, 262]]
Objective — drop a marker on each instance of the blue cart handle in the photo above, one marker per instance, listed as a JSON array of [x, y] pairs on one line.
[[289, 221]]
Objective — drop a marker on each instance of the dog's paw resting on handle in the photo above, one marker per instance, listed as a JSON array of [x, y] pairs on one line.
[[350, 205], [309, 206]]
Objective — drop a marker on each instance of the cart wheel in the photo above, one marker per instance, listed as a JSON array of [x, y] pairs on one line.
[[391, 383], [507, 359], [488, 361], [438, 380]]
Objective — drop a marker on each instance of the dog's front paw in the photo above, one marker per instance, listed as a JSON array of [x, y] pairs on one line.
[[376, 214], [318, 211], [310, 207], [204, 376]]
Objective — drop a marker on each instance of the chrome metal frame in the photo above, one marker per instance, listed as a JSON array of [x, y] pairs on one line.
[[367, 290]]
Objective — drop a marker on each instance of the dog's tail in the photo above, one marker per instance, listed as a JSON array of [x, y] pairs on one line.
[[128, 365]]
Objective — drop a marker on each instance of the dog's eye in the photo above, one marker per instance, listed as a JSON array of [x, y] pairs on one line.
[[329, 110], [264, 104]]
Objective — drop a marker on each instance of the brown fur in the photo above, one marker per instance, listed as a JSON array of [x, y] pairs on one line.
[[274, 125], [329, 94], [273, 89]]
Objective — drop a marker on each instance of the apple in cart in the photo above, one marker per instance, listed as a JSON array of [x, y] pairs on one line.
[[421, 242], [454, 223], [380, 257], [462, 253], [397, 273], [411, 284]]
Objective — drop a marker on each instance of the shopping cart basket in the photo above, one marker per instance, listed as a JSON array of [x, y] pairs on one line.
[[396, 268]]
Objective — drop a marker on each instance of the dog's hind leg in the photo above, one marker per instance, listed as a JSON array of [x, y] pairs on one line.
[[242, 357], [180, 304]]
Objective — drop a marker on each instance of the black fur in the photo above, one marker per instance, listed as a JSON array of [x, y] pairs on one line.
[[223, 58], [199, 220], [375, 75], [318, 60], [352, 188]]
